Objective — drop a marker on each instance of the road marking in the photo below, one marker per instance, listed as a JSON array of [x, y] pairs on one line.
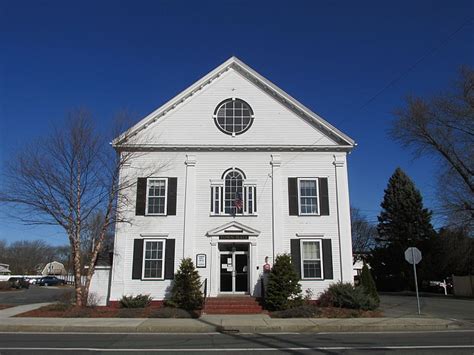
[[338, 348], [256, 333]]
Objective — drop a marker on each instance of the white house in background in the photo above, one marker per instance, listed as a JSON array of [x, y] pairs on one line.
[[250, 173], [5, 272]]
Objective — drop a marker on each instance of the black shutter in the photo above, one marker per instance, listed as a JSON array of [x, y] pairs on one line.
[[327, 259], [293, 196], [323, 197], [296, 255], [141, 197], [171, 205], [137, 259], [169, 259]]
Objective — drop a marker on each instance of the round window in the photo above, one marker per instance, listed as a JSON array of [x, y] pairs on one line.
[[233, 116]]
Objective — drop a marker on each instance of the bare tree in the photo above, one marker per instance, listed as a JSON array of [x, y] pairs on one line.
[[363, 233], [67, 178], [26, 256], [443, 127]]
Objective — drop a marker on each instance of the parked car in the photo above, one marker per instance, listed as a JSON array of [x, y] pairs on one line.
[[18, 282], [50, 281]]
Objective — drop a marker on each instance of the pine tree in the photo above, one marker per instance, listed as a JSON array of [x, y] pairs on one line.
[[283, 287], [368, 283], [403, 222], [186, 290]]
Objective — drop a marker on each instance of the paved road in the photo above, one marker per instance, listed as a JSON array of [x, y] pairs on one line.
[[446, 307], [35, 294], [444, 342]]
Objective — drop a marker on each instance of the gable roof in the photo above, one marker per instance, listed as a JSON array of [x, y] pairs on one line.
[[250, 74]]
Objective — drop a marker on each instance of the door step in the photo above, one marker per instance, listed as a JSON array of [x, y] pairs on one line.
[[232, 305]]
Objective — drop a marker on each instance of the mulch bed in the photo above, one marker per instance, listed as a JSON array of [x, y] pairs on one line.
[[65, 311], [334, 312], [5, 306]]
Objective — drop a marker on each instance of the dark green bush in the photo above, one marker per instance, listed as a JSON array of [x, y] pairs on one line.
[[368, 283], [138, 301], [186, 289], [304, 311], [283, 289], [169, 312], [345, 295]]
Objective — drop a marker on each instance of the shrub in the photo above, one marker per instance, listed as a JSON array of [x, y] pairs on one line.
[[304, 311], [345, 295], [93, 299], [169, 312], [138, 301], [368, 283], [283, 287], [5, 286], [186, 290]]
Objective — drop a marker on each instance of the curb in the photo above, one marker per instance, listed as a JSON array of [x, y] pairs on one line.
[[305, 326]]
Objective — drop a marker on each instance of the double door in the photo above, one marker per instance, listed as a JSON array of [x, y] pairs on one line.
[[234, 272]]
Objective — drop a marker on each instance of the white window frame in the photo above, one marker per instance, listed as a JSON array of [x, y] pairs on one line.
[[318, 209], [145, 241], [219, 185], [166, 196], [320, 242]]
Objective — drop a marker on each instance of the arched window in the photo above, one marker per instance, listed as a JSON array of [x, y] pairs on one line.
[[233, 200], [233, 194]]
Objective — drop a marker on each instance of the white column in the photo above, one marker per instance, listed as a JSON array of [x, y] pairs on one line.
[[343, 217], [277, 217], [253, 263], [215, 268], [189, 203]]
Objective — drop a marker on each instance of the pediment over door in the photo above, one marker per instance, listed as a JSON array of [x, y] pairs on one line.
[[233, 229]]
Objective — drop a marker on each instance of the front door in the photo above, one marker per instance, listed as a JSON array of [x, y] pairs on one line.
[[234, 272]]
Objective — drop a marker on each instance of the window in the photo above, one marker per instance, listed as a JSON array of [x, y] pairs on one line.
[[233, 116], [308, 200], [153, 260], [233, 194], [311, 259], [156, 196], [233, 200]]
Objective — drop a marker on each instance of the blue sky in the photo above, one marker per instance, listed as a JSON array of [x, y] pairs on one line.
[[351, 62]]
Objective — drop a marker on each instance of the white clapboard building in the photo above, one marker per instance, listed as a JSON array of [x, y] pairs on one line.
[[245, 172]]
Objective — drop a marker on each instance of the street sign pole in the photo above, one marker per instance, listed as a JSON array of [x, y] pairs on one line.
[[416, 280]]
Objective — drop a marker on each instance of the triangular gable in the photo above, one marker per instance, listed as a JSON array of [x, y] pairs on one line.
[[258, 80], [233, 228]]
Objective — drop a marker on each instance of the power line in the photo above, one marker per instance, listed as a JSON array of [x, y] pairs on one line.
[[414, 65]]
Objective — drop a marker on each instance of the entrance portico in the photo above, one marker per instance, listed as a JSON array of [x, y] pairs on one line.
[[233, 262]]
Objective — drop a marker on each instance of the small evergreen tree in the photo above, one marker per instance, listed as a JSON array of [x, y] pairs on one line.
[[283, 288], [403, 222], [368, 283], [186, 290]]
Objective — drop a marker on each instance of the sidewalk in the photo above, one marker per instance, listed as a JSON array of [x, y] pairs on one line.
[[255, 323], [222, 323]]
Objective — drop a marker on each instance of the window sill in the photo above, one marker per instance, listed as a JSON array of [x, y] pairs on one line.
[[231, 215], [312, 279], [155, 215], [149, 279]]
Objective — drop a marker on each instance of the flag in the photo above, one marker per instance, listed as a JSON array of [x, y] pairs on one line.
[[238, 203]]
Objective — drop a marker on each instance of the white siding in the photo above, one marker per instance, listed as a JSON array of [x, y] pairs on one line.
[[191, 122], [211, 165]]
